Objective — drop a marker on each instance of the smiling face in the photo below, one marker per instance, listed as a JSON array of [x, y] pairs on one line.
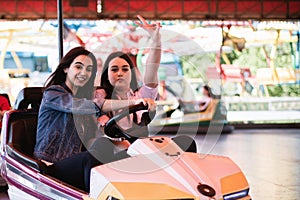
[[119, 74], [79, 72]]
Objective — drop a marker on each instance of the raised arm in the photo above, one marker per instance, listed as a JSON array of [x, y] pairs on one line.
[[153, 60]]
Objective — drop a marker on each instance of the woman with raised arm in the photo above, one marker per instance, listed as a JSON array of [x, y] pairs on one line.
[[119, 81]]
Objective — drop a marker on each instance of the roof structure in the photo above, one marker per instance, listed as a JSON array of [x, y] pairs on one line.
[[153, 9]]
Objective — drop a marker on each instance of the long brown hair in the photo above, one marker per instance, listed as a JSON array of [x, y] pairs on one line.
[[105, 84], [58, 77]]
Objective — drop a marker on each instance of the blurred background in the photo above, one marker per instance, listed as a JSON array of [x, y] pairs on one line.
[[247, 52]]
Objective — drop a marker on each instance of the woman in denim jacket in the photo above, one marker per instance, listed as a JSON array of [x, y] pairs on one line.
[[66, 122]]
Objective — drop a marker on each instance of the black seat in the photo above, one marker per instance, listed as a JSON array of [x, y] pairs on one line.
[[21, 125], [20, 130], [29, 97], [21, 136]]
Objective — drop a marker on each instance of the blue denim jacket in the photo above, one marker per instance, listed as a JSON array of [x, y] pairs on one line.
[[64, 124]]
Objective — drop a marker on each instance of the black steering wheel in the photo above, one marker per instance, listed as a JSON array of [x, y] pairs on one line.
[[112, 130]]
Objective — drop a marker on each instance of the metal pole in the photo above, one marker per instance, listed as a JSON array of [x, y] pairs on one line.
[[60, 29]]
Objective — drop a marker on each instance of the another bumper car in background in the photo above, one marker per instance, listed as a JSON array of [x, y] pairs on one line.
[[184, 116]]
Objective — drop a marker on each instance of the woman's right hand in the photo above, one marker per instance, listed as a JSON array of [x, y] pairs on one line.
[[152, 29], [150, 103]]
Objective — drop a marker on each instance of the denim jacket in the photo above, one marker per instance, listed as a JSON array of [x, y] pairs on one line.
[[65, 123]]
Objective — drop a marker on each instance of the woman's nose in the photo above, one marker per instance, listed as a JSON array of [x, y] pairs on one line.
[[83, 72], [120, 73]]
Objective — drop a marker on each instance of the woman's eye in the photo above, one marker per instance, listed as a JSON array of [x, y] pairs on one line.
[[114, 69], [89, 69], [78, 66], [125, 69]]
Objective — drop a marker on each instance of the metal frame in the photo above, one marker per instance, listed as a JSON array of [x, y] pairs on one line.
[[154, 9]]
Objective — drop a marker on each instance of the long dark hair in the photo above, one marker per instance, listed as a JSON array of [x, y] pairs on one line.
[[58, 77], [105, 84]]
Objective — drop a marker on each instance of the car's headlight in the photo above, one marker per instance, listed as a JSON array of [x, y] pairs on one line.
[[111, 198], [236, 195]]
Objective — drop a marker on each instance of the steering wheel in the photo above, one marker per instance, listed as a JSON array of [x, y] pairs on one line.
[[112, 130]]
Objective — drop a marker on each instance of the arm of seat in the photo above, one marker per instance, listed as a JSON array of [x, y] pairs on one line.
[[26, 160]]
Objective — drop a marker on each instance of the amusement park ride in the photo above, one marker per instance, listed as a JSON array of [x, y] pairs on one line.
[[168, 171], [240, 35], [156, 169]]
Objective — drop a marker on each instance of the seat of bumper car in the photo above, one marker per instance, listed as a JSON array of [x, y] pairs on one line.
[[22, 125], [29, 97]]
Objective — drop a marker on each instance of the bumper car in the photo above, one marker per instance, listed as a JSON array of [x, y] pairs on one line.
[[184, 117], [156, 169]]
